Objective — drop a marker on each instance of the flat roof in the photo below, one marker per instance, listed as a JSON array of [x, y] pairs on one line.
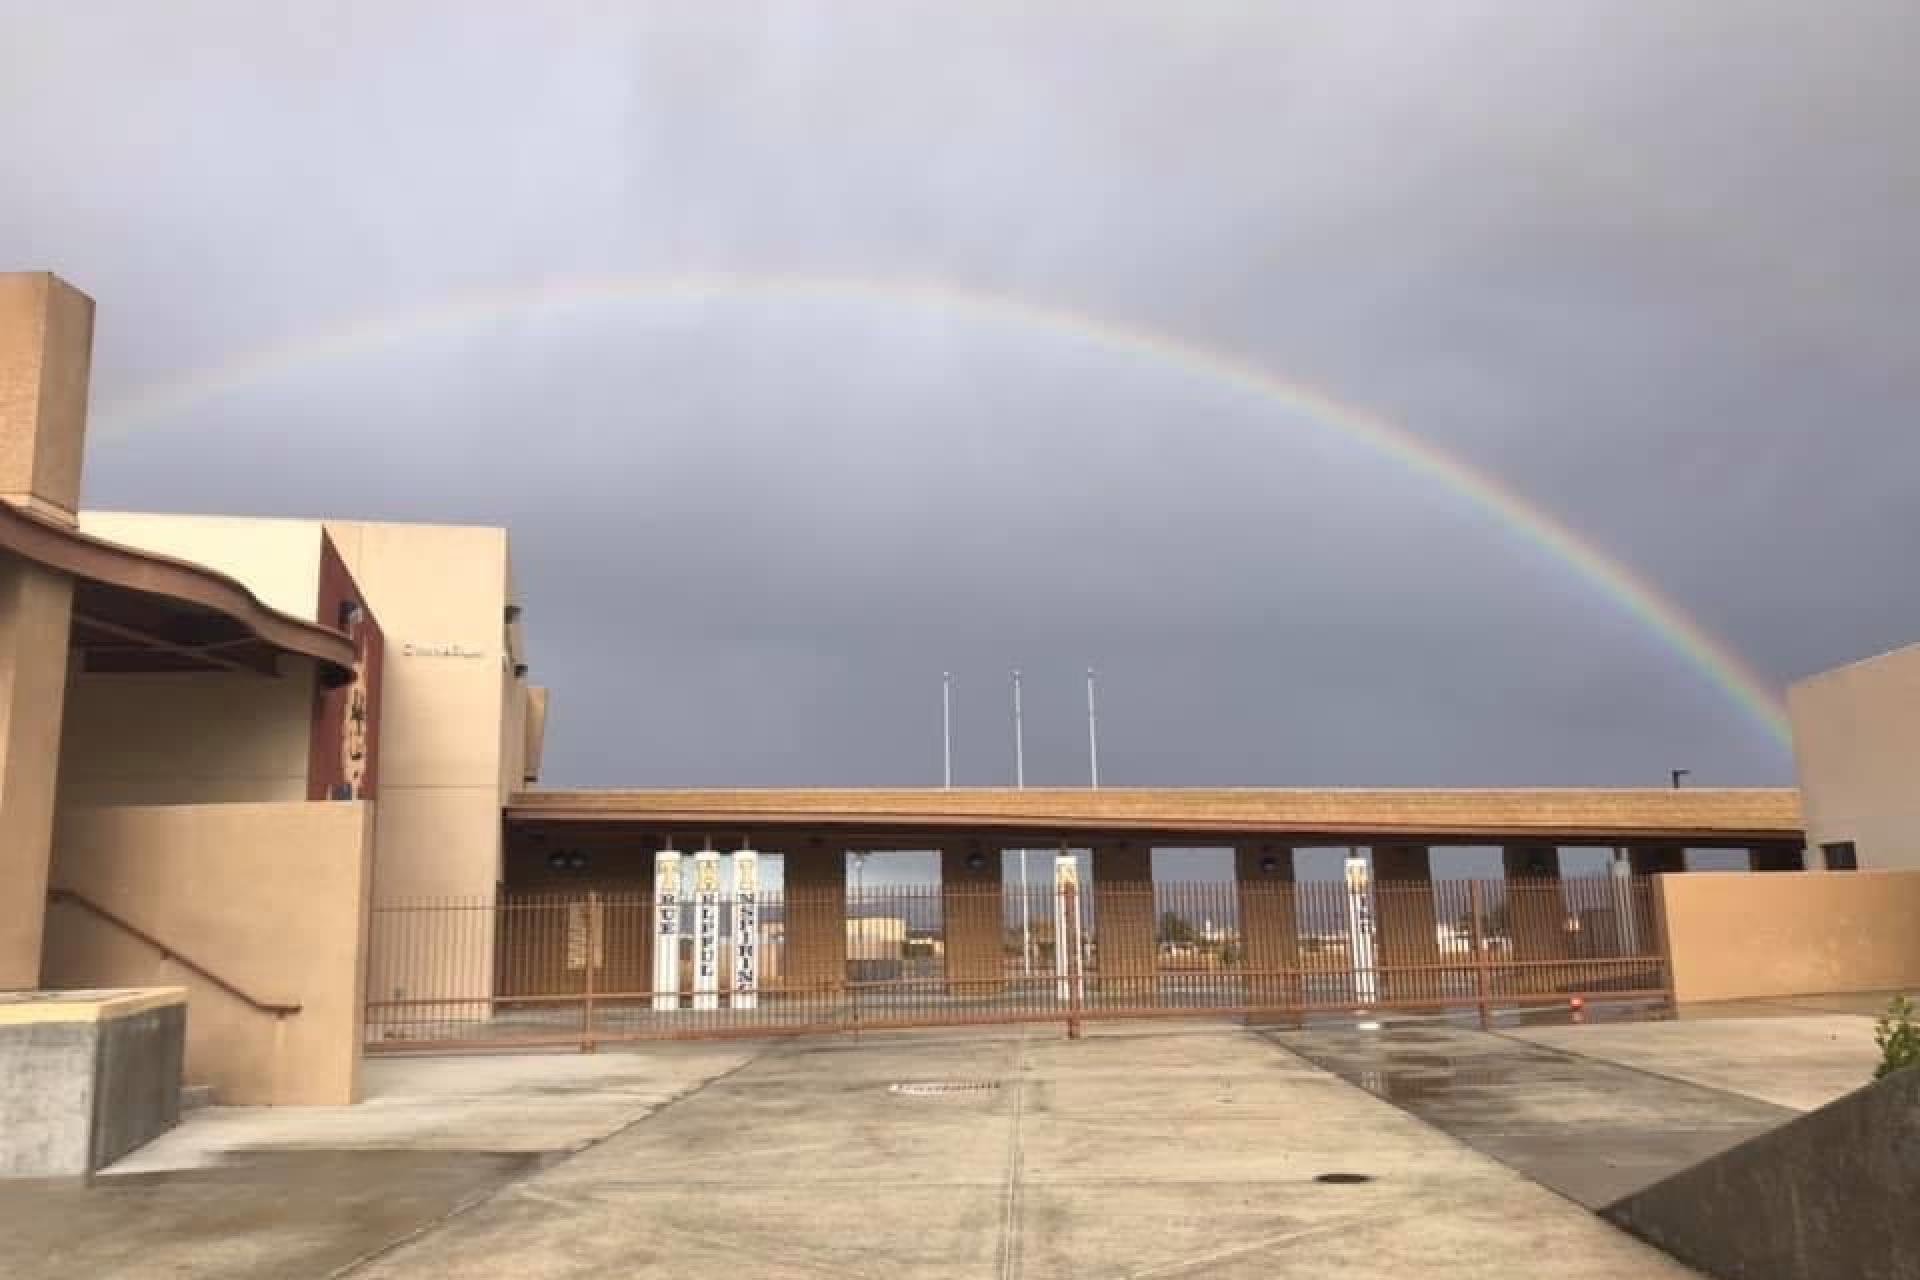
[[1573, 815]]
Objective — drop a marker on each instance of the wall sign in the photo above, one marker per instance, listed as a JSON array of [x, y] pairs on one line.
[[412, 650]]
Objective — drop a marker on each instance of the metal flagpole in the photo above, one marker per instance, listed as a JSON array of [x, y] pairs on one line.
[[1093, 735], [946, 728], [1020, 783]]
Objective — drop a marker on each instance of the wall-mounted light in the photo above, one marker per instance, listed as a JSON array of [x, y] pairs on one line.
[[1269, 864], [567, 860], [976, 862], [513, 613], [519, 671]]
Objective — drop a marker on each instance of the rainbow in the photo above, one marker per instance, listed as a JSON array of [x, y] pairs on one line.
[[1613, 578]]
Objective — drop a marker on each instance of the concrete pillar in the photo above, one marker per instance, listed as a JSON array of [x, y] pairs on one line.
[[1269, 923], [1407, 924], [1536, 910], [1657, 859], [1126, 950], [46, 348], [816, 917], [973, 912]]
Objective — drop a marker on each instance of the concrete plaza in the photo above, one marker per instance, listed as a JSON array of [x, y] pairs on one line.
[[1170, 1149]]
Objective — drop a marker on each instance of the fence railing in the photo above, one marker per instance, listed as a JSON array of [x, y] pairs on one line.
[[579, 968]]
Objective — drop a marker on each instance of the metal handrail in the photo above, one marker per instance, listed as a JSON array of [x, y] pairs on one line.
[[168, 952]]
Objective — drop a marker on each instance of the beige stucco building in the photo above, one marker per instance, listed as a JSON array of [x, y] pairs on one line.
[[1856, 737], [231, 748]]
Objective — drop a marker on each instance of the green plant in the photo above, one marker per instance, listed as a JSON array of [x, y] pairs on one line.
[[1898, 1038]]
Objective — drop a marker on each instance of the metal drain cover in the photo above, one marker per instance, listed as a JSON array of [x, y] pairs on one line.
[[941, 1088], [1344, 1179]]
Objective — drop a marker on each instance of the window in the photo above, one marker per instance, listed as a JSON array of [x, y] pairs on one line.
[[1840, 857]]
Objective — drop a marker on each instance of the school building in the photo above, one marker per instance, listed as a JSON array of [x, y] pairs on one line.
[[290, 766]]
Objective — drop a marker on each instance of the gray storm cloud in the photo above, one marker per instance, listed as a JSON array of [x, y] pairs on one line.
[[1650, 265]]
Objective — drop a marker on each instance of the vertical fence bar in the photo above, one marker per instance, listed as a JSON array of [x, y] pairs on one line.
[[592, 962], [1477, 928]]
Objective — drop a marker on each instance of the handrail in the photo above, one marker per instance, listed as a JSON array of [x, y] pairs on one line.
[[169, 952]]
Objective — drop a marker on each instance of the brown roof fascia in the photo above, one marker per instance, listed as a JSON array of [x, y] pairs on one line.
[[82, 556]]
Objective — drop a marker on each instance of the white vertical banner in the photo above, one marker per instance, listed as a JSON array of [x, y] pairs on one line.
[[746, 930], [1066, 922], [1366, 981], [706, 929], [666, 930]]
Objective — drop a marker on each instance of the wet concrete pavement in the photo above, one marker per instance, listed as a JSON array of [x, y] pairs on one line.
[[1142, 1151], [1183, 1150], [1591, 1129]]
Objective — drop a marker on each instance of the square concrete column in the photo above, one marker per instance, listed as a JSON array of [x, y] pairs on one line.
[[1536, 913], [1406, 921], [1126, 950], [1269, 923], [973, 912], [815, 906], [46, 349]]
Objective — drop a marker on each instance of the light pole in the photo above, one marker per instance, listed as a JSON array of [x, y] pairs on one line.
[[1020, 784], [946, 729], [1678, 775]]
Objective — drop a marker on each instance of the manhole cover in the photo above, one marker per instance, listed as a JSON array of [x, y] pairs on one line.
[[940, 1088], [1344, 1179]]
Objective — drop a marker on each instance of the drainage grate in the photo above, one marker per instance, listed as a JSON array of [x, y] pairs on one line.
[[941, 1088], [1344, 1179]]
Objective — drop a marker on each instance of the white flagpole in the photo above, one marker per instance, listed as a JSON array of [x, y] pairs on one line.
[[1020, 783], [946, 728], [1093, 735]]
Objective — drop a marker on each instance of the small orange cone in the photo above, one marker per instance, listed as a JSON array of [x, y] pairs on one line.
[[1578, 1007]]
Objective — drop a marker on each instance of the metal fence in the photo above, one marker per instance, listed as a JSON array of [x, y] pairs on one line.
[[579, 968]]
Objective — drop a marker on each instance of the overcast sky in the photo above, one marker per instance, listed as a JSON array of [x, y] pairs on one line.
[[1653, 265]]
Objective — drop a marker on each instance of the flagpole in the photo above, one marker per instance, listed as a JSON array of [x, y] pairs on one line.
[[1020, 783], [946, 729], [1093, 736]]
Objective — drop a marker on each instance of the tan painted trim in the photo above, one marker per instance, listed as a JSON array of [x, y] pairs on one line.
[[86, 1006], [96, 560], [1588, 815]]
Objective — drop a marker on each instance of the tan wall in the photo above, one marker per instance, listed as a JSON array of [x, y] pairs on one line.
[[1123, 916], [973, 914], [272, 897], [188, 737], [444, 719], [1856, 736], [277, 560], [1736, 935], [35, 609]]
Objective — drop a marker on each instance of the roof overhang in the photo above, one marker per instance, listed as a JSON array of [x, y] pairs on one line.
[[137, 611], [1336, 816]]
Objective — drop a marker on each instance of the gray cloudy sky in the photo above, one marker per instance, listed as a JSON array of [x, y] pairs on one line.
[[1652, 264]]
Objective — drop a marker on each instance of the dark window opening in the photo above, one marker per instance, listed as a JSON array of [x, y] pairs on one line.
[[1841, 857]]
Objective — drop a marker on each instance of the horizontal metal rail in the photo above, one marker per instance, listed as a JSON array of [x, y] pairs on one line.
[[170, 952]]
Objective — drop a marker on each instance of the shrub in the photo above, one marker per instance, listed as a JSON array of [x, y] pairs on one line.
[[1898, 1038]]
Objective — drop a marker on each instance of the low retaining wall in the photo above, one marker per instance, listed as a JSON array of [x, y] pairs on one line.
[[1744, 935], [90, 1076], [1829, 1194]]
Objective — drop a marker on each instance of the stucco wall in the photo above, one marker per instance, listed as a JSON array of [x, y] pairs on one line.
[[1736, 935], [1856, 735], [277, 560], [188, 737], [440, 593], [272, 897]]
